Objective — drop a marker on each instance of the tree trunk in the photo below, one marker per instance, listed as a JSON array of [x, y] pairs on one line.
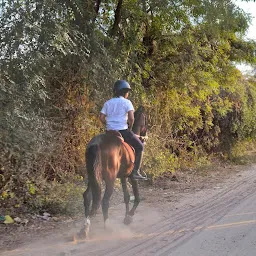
[[117, 18]]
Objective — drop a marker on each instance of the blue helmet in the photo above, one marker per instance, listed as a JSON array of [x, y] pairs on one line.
[[121, 84]]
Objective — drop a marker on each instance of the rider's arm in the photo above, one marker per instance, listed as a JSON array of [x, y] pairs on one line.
[[130, 119], [103, 118]]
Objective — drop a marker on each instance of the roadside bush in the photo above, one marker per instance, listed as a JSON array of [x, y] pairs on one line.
[[243, 152], [158, 159], [60, 198]]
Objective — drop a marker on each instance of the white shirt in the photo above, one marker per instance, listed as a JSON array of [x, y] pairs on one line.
[[116, 111]]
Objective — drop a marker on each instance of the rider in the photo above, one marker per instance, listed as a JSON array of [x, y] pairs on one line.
[[115, 114]]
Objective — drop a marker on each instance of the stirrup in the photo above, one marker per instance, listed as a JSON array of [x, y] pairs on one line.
[[143, 174], [137, 175]]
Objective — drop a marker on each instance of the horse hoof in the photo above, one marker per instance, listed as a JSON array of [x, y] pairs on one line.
[[107, 225], [82, 234], [128, 220]]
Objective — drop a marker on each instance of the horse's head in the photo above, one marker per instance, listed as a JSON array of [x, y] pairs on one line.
[[140, 123]]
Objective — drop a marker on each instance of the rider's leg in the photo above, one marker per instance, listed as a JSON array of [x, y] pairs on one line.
[[136, 170], [138, 146]]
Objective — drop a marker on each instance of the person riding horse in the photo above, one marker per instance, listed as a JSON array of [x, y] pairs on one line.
[[118, 115], [108, 156]]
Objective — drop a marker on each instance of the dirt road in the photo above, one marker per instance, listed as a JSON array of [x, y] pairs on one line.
[[216, 219]]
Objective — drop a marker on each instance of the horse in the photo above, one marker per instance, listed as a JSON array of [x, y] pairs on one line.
[[108, 157]]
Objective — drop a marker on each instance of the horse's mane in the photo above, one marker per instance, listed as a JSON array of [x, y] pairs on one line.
[[138, 112]]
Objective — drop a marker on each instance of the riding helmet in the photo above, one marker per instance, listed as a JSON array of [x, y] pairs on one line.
[[121, 84]]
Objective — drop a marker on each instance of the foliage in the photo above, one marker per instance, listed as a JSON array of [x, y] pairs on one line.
[[59, 60], [243, 152], [157, 158], [59, 198]]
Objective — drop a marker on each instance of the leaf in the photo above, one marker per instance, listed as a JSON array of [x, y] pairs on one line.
[[8, 219], [4, 194]]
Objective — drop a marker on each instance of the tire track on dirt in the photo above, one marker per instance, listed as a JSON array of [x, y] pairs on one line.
[[173, 237], [166, 250]]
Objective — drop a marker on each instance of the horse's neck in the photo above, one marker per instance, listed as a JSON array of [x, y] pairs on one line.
[[138, 123], [136, 130]]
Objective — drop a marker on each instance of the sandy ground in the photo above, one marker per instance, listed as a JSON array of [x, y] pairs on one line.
[[169, 201]]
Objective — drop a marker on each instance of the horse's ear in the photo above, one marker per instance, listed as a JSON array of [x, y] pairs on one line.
[[141, 109]]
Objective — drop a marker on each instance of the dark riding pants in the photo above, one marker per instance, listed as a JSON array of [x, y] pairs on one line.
[[135, 142]]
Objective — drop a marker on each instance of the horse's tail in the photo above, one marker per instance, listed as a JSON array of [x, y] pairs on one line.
[[93, 165]]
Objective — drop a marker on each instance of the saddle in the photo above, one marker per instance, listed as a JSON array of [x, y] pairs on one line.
[[127, 146]]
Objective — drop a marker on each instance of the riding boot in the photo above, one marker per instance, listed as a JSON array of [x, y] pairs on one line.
[[136, 171]]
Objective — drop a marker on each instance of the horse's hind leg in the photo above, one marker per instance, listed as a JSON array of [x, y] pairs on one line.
[[87, 200], [127, 219], [106, 198], [135, 189], [87, 203]]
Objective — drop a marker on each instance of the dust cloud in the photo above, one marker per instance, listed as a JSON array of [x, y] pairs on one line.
[[99, 240]]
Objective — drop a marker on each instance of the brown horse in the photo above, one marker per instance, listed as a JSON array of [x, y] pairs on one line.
[[108, 158]]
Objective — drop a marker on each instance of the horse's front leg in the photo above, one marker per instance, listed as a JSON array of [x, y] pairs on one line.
[[127, 219], [136, 194]]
